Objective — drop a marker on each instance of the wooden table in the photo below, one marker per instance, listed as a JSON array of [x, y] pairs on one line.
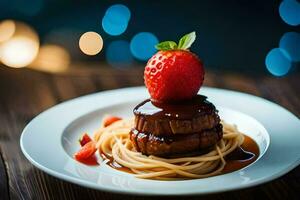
[[25, 93]]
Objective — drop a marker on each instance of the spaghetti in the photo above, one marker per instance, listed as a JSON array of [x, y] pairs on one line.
[[114, 142]]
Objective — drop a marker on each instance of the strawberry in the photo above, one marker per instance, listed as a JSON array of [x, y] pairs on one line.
[[85, 138], [86, 151], [108, 120], [174, 73]]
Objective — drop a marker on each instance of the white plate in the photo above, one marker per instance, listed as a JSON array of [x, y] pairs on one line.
[[51, 138]]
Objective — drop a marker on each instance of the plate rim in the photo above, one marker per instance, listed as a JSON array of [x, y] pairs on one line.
[[88, 184]]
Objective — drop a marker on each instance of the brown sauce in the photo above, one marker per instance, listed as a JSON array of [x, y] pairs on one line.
[[112, 163], [188, 109], [243, 156]]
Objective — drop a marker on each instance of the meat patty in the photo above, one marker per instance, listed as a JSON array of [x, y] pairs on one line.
[[171, 145], [185, 117], [168, 127]]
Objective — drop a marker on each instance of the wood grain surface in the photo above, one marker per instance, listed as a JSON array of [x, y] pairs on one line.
[[25, 93]]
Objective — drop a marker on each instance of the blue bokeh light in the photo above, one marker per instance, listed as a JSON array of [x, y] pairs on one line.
[[278, 62], [115, 20], [118, 54], [118, 12], [289, 11], [112, 28], [290, 42], [142, 45]]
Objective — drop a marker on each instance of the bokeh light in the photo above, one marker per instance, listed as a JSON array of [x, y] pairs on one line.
[[52, 58], [113, 29], [142, 45], [291, 43], [278, 62], [90, 43], [118, 13], [118, 54], [115, 20], [19, 52], [289, 11], [7, 29], [21, 48]]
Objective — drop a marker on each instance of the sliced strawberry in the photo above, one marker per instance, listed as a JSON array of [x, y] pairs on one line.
[[86, 151], [92, 161], [109, 120], [85, 138]]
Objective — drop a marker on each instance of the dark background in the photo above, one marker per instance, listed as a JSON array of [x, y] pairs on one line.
[[233, 39], [231, 35]]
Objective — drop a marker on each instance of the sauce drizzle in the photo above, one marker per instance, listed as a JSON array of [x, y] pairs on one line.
[[113, 164], [243, 156]]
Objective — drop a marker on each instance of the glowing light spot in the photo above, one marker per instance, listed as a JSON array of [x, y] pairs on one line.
[[91, 43], [52, 58], [142, 45], [291, 43], [21, 48], [19, 52], [278, 62], [112, 28], [289, 11], [25, 30], [7, 30], [115, 20], [118, 13], [118, 54]]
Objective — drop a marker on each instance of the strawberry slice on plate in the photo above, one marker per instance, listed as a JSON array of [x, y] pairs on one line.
[[86, 151], [108, 120], [85, 138]]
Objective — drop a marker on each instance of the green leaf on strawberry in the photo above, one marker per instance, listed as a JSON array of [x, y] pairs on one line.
[[184, 43], [187, 40], [166, 45]]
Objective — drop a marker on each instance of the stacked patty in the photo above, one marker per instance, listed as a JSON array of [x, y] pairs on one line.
[[168, 129]]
